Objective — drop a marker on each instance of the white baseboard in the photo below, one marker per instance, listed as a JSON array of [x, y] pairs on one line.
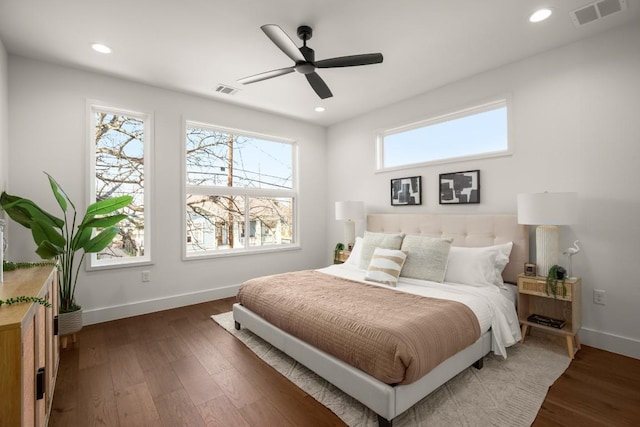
[[604, 341], [105, 314], [614, 343]]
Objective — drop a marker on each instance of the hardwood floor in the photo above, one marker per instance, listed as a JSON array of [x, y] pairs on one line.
[[178, 368], [598, 389]]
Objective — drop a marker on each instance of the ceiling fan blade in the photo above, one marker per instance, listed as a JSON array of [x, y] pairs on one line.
[[350, 61], [264, 76], [282, 40], [318, 85]]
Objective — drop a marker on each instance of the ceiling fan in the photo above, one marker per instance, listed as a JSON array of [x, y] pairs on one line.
[[304, 58]]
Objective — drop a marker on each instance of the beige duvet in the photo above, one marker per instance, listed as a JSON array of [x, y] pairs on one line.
[[391, 335]]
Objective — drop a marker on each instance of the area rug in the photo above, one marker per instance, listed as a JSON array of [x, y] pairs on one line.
[[503, 393]]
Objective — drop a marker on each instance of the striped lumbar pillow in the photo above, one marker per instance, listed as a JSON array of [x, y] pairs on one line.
[[385, 266]]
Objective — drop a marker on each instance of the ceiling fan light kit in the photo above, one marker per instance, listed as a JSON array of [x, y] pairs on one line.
[[304, 59]]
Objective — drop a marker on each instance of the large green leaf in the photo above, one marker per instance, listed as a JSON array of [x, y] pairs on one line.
[[59, 194], [101, 240], [47, 250], [104, 207], [42, 231], [81, 238], [103, 222], [24, 211], [19, 215]]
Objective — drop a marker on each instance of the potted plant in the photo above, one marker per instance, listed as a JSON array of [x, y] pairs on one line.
[[62, 238], [551, 285]]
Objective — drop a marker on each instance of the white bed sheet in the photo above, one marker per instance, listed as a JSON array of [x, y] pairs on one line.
[[493, 309], [511, 293]]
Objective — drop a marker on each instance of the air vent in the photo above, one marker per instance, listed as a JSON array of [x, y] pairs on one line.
[[597, 10], [227, 90]]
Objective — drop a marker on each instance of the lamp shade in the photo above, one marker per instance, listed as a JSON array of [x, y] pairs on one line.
[[547, 208], [349, 211]]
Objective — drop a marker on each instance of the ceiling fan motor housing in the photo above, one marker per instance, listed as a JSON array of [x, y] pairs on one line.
[[308, 66]]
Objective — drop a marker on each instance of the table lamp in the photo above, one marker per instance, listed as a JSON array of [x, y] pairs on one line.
[[547, 211], [349, 212]]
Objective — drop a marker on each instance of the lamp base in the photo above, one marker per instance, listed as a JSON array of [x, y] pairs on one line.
[[546, 248], [349, 233]]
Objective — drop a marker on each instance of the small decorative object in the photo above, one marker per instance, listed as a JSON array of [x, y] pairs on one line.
[[529, 269], [23, 298], [570, 252], [11, 266], [551, 285], [547, 321], [459, 188], [406, 191]]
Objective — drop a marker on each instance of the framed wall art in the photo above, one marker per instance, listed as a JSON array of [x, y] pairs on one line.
[[460, 188], [406, 191]]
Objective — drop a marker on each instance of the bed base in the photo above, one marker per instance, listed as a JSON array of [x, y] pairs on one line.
[[386, 401]]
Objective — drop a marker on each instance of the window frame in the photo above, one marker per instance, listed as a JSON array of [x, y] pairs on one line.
[[94, 106], [476, 108], [246, 192]]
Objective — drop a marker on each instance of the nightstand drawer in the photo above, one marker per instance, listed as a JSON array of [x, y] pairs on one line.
[[343, 255], [536, 286], [340, 256]]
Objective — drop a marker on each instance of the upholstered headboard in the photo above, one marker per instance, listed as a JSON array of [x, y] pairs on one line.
[[466, 230]]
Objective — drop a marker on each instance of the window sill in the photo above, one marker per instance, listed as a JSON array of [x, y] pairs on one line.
[[240, 252]]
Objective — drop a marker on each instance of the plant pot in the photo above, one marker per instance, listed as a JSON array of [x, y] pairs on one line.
[[69, 323]]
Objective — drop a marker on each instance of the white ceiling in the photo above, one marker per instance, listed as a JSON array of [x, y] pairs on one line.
[[193, 45]]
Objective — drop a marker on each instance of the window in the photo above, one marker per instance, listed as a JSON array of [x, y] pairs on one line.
[[479, 131], [120, 165], [240, 191]]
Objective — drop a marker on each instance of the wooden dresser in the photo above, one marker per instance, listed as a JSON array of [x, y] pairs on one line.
[[29, 351]]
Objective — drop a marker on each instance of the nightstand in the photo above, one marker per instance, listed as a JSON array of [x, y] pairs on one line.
[[532, 299], [341, 257]]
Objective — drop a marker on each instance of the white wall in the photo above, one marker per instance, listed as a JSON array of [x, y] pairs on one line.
[[48, 132], [575, 127], [4, 118]]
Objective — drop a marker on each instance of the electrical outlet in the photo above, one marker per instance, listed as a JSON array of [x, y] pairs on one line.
[[599, 297], [146, 276]]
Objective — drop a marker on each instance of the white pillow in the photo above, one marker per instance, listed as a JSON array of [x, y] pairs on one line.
[[426, 257], [371, 241], [356, 253], [478, 266], [385, 266]]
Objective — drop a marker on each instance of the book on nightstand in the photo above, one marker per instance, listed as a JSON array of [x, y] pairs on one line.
[[546, 321]]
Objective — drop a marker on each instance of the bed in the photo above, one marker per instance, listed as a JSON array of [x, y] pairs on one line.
[[390, 398]]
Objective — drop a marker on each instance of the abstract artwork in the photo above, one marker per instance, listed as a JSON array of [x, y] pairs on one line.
[[460, 188], [406, 191]]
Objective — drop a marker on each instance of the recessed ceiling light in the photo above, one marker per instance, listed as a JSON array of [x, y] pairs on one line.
[[99, 47], [319, 109], [540, 15]]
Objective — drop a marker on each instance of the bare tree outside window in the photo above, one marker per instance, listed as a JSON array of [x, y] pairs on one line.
[[119, 170], [240, 190]]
